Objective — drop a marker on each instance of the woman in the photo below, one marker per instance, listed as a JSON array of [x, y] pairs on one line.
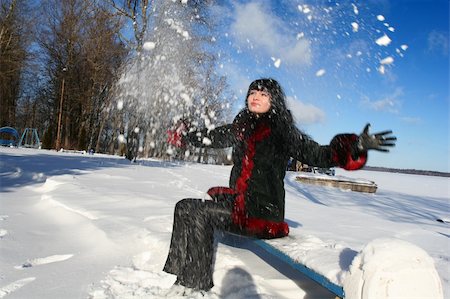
[[263, 137]]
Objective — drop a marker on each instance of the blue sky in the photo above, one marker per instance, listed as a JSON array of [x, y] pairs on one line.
[[343, 64]]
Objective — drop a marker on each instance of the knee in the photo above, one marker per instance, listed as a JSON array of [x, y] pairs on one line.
[[184, 207]]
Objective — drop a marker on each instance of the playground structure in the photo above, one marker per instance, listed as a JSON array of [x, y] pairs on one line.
[[10, 137]]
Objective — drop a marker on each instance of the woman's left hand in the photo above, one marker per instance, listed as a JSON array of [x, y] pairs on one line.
[[378, 141]]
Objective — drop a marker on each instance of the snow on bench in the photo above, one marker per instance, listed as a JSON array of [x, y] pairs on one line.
[[383, 269], [315, 275]]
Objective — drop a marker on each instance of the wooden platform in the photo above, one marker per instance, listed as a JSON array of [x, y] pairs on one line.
[[339, 182]]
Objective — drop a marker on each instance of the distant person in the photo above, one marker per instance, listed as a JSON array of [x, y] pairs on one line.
[[263, 137]]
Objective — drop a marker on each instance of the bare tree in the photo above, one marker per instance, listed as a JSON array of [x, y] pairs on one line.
[[82, 56], [104, 87], [14, 41], [104, 58], [137, 12]]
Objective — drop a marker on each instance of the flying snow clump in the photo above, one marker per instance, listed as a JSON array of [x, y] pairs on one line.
[[277, 63], [387, 60], [206, 141], [320, 73], [186, 98], [178, 27], [383, 41], [148, 46], [119, 105], [304, 8]]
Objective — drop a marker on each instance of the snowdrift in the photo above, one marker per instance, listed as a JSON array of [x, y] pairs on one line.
[[77, 226]]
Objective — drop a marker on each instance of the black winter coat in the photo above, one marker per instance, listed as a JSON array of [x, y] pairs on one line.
[[262, 147]]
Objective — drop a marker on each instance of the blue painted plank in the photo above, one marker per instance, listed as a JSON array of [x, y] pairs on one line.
[[319, 278]]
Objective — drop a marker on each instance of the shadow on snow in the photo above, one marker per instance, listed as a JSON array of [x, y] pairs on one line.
[[17, 170]]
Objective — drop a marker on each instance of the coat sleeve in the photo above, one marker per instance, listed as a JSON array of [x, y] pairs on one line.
[[341, 152], [304, 149], [220, 137], [345, 152]]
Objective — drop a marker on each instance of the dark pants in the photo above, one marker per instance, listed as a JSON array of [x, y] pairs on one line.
[[192, 244]]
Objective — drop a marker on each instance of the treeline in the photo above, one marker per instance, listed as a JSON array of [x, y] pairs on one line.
[[109, 75], [408, 171]]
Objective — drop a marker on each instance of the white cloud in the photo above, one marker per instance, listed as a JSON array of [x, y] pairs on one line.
[[386, 104], [438, 42], [411, 120], [263, 31], [237, 78], [389, 103], [305, 114]]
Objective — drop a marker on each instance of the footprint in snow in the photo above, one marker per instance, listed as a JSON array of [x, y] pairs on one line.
[[3, 217], [44, 260], [8, 289]]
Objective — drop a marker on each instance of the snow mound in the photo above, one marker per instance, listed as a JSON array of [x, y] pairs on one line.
[[45, 260], [48, 185], [126, 282], [391, 268], [12, 287]]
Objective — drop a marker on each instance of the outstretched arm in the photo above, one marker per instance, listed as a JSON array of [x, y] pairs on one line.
[[304, 149], [220, 137], [348, 151]]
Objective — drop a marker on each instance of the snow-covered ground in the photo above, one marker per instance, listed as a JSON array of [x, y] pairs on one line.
[[97, 226]]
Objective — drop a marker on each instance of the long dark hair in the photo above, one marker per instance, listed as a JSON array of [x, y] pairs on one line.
[[278, 112]]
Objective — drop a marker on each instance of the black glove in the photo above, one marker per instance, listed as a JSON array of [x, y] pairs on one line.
[[378, 141]]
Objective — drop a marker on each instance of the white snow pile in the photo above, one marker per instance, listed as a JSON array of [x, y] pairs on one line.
[[385, 268], [389, 268], [97, 226]]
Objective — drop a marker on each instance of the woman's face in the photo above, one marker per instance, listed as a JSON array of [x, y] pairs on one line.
[[258, 101]]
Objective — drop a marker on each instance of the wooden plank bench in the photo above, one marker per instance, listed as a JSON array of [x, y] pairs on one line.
[[346, 184]]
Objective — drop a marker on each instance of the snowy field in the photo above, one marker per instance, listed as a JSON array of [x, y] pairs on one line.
[[82, 226]]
